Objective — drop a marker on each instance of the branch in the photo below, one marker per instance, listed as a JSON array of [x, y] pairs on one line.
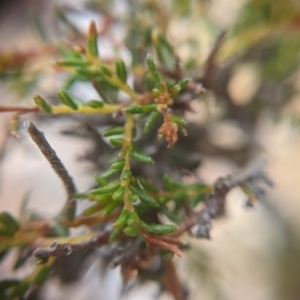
[[199, 223], [210, 65], [19, 109], [56, 249], [215, 201], [171, 281], [40, 140]]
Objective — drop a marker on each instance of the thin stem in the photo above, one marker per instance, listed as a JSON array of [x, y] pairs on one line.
[[123, 86], [92, 220], [115, 80], [62, 109], [59, 249], [10, 242], [18, 109], [105, 109], [171, 280], [129, 126]]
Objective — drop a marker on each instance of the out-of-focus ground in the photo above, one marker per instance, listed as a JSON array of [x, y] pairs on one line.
[[253, 252]]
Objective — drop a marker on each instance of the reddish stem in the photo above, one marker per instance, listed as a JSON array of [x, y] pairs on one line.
[[19, 109]]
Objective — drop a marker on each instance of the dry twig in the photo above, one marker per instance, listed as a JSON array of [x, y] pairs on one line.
[[40, 140], [56, 249]]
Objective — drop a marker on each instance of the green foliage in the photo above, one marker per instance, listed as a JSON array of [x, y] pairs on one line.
[[153, 70], [158, 228], [8, 224], [135, 206], [42, 104], [67, 100]]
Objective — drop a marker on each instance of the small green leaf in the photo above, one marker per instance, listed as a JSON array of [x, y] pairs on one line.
[[109, 208], [126, 174], [115, 234], [95, 104], [116, 142], [177, 119], [81, 196], [165, 199], [174, 90], [113, 131], [144, 197], [67, 100], [92, 39], [85, 71], [101, 181], [42, 104], [9, 223], [94, 208], [156, 92], [158, 228], [149, 82], [147, 186], [105, 71], [142, 157], [163, 87], [131, 231], [118, 164], [119, 193], [154, 116], [140, 109], [181, 194], [122, 219], [76, 53], [153, 70], [133, 198], [121, 70], [72, 63], [108, 174], [183, 82], [132, 219], [112, 187], [172, 184], [164, 50], [103, 197], [123, 151]]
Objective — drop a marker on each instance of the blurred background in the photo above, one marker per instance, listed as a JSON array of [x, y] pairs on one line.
[[251, 111]]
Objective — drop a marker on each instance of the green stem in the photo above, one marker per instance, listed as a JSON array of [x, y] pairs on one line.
[[96, 61], [129, 126], [105, 109], [123, 86]]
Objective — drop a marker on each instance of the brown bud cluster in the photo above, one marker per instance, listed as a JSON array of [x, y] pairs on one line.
[[168, 130], [164, 98]]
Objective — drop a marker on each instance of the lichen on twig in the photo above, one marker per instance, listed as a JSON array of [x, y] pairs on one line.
[[40, 140], [56, 249], [215, 200]]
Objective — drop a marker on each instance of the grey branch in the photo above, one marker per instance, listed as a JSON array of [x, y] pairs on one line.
[[215, 200], [40, 140], [56, 249]]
